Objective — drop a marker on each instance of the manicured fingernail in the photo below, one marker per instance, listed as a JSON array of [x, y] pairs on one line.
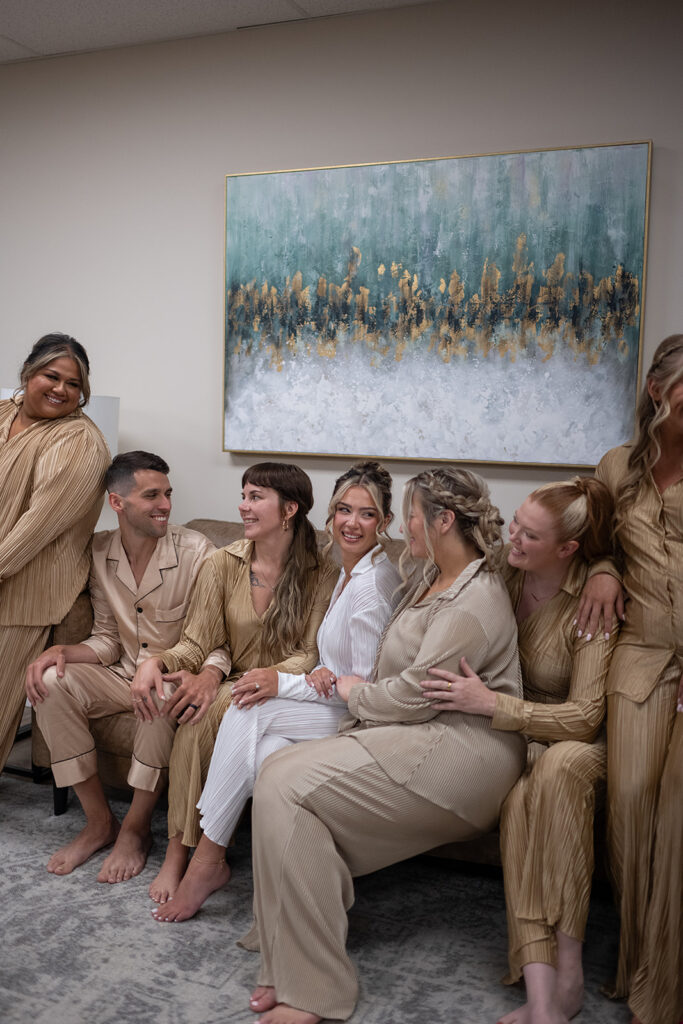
[[589, 636], [579, 633], [606, 636]]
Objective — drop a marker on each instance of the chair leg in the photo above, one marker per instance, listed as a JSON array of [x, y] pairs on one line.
[[60, 798]]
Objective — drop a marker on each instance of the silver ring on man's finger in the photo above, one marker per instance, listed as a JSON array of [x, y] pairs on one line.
[[256, 686]]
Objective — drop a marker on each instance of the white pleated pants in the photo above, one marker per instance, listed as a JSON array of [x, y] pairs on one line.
[[245, 739]]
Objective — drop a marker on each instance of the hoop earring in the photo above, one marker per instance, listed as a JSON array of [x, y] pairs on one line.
[[285, 523]]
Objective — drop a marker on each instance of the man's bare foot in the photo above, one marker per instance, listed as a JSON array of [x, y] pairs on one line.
[[128, 857], [263, 999], [95, 836], [283, 1014], [201, 879], [166, 883], [522, 1015]]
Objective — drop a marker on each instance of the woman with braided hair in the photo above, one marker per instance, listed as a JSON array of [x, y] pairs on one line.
[[547, 819], [401, 777]]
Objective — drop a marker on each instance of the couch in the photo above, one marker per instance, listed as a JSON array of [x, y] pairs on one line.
[[114, 734]]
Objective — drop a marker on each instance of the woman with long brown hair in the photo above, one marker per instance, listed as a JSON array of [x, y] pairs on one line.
[[264, 597], [306, 706], [52, 464], [547, 819], [645, 698]]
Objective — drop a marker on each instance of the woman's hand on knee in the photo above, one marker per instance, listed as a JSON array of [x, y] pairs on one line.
[[255, 687], [36, 690], [147, 679], [322, 680]]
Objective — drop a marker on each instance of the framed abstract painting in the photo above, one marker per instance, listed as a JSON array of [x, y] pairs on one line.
[[480, 308]]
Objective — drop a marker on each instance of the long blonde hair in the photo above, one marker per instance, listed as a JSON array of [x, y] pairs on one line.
[[377, 482], [287, 614], [466, 495], [665, 371]]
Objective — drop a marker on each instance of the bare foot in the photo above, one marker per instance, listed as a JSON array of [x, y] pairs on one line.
[[95, 836], [128, 857], [263, 999], [570, 992], [522, 1015], [166, 883], [283, 1014], [538, 1015], [201, 879]]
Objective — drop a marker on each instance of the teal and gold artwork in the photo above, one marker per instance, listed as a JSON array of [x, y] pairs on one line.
[[476, 308]]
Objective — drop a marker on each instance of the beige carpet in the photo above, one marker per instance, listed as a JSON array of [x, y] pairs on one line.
[[428, 937]]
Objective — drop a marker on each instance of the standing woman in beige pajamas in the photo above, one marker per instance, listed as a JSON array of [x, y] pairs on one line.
[[547, 819], [401, 778], [52, 464], [645, 698]]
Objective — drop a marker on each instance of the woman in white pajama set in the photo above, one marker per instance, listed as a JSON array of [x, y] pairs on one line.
[[306, 707]]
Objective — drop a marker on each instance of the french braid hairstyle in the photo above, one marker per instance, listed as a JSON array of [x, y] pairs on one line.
[[466, 495], [666, 371], [377, 482], [54, 346], [582, 510], [285, 619]]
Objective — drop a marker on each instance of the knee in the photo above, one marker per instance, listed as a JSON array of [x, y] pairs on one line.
[[275, 784], [631, 791], [50, 677], [564, 764], [56, 685]]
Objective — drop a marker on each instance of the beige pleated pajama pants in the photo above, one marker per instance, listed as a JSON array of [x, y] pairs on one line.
[[86, 692], [546, 832], [19, 646], [657, 991], [189, 768], [645, 802], [324, 812]]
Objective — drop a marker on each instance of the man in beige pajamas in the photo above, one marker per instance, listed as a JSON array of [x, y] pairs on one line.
[[141, 578]]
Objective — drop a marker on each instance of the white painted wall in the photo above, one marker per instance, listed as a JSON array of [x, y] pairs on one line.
[[112, 173]]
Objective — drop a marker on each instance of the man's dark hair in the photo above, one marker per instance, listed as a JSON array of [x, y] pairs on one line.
[[120, 477]]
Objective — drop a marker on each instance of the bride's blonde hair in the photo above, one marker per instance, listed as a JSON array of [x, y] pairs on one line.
[[377, 482]]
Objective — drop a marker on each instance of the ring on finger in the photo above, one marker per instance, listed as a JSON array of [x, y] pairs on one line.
[[195, 706], [449, 686], [256, 686]]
